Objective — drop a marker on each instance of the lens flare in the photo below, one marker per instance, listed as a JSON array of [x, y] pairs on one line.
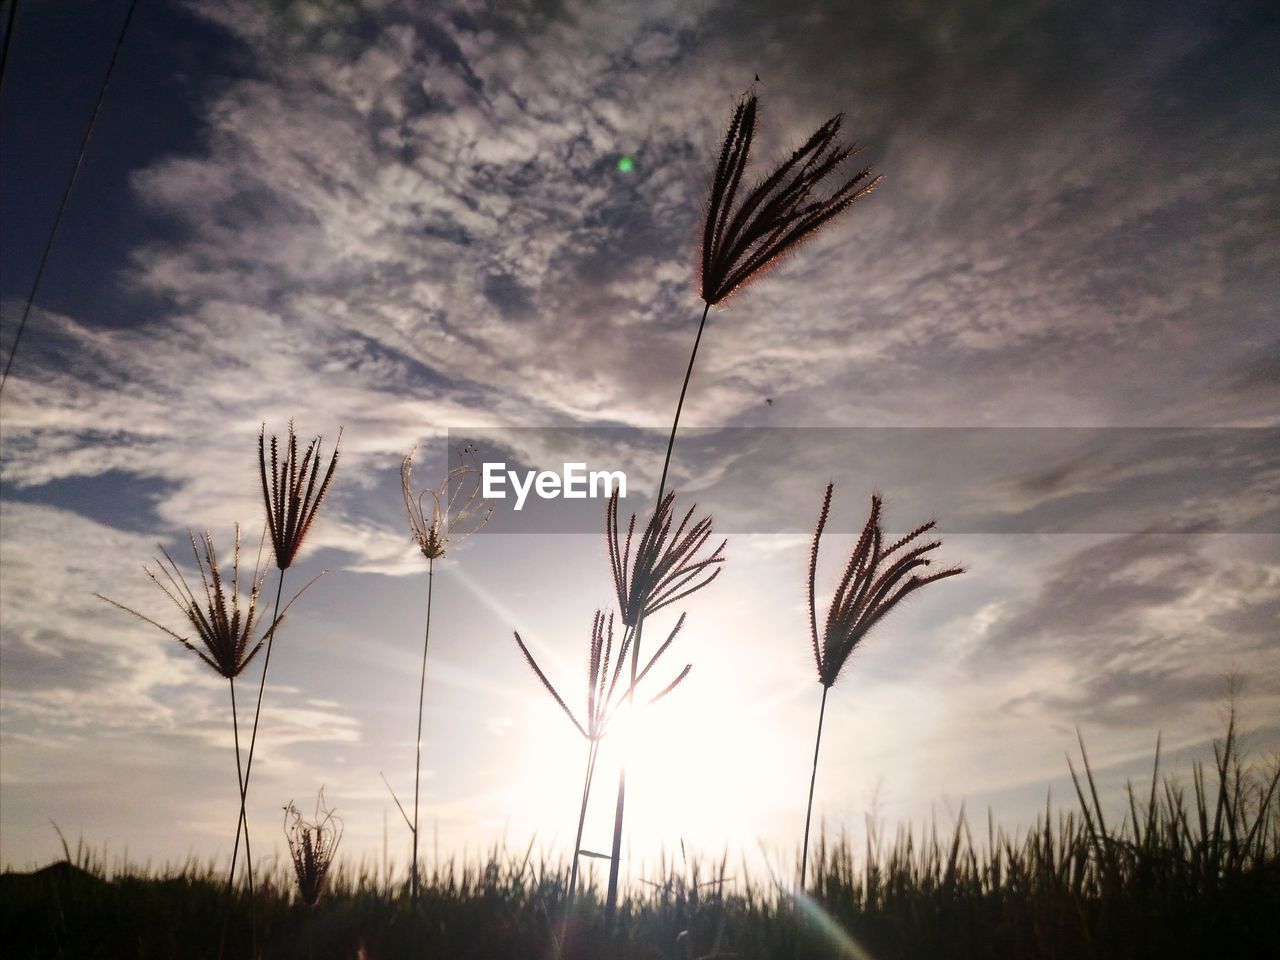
[[819, 920], [835, 935]]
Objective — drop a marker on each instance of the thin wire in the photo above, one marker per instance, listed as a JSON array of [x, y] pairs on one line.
[[57, 220], [8, 41]]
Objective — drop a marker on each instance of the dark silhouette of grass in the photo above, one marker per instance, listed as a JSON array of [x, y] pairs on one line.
[[603, 673], [457, 511], [665, 568], [1183, 873], [312, 847], [291, 498], [225, 628], [875, 580], [742, 238]]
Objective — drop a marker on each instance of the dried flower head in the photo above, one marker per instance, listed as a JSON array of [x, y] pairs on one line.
[[312, 845], [290, 492], [224, 627], [602, 682], [454, 517], [874, 582], [779, 213], [666, 567]]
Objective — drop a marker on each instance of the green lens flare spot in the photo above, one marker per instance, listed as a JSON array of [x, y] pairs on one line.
[[626, 164]]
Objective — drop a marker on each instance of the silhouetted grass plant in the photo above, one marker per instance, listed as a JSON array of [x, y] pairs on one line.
[[875, 580], [292, 498], [312, 847], [741, 240], [604, 699], [664, 567], [1176, 871], [224, 623], [457, 510]]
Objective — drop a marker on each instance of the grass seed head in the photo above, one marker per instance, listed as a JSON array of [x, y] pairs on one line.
[[290, 492], [666, 567], [875, 580], [740, 242], [223, 621], [454, 515], [604, 669], [312, 845]]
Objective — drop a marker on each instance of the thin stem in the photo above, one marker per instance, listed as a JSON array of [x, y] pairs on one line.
[[671, 440], [592, 751], [235, 732], [615, 852], [253, 741], [611, 898], [417, 762], [804, 849]]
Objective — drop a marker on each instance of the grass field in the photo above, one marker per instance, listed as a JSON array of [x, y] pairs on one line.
[[1191, 870]]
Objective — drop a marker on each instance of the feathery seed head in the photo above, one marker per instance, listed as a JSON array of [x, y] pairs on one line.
[[603, 672], [740, 243], [454, 517], [290, 492], [223, 622], [875, 580], [312, 846], [666, 567]]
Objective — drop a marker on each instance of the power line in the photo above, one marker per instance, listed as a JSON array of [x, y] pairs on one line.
[[8, 41], [75, 172]]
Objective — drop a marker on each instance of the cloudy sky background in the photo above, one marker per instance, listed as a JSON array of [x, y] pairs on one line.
[[409, 221]]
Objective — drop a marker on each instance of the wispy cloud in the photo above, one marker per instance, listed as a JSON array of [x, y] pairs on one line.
[[73, 666], [402, 221], [1133, 624]]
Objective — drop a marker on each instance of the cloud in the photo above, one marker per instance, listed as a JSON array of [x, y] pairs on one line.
[[402, 221], [1135, 624], [75, 667], [407, 223]]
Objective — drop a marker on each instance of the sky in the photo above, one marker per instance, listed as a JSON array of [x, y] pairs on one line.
[[1051, 327]]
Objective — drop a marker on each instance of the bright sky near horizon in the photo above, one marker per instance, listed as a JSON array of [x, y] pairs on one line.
[[414, 221]]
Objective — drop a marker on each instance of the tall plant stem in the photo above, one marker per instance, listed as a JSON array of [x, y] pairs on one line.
[[615, 860], [253, 740], [671, 440], [615, 852], [417, 761], [235, 733], [813, 778], [592, 752]]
